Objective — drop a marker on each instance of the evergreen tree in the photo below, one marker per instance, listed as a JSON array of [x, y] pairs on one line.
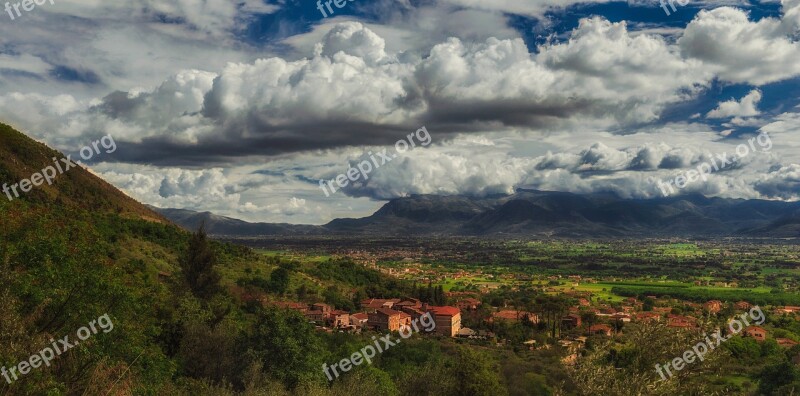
[[198, 265], [279, 280]]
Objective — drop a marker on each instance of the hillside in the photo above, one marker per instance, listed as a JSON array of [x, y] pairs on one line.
[[178, 314], [21, 157]]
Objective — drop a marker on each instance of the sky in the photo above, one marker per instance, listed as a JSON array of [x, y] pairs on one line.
[[241, 107]]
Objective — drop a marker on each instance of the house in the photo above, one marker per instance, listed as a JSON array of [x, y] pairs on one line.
[[514, 316], [359, 320], [607, 311], [758, 333], [318, 313], [385, 319], [584, 302], [316, 316], [602, 329], [787, 310], [415, 313], [786, 342], [678, 321], [742, 305], [372, 304], [621, 317], [447, 319], [713, 306], [648, 316], [409, 302], [571, 320], [322, 307], [338, 318], [468, 304]]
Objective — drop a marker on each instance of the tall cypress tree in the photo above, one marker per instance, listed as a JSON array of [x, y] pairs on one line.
[[198, 265]]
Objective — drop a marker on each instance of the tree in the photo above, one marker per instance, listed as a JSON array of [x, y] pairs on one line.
[[628, 366], [279, 280], [211, 352], [287, 347], [778, 375], [198, 265], [302, 292], [477, 374]]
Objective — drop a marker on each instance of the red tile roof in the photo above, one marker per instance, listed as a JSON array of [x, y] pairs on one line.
[[600, 327], [388, 312], [445, 311]]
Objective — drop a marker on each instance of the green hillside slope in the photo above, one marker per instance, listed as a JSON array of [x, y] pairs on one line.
[[21, 157], [164, 312]]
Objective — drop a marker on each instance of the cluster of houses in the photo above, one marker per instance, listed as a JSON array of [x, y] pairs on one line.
[[396, 314], [630, 311], [383, 315]]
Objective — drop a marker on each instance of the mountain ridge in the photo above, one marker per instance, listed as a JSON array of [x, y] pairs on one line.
[[538, 213]]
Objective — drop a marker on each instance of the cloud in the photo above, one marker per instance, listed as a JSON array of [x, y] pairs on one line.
[[279, 191], [746, 107], [630, 167], [740, 51], [216, 18], [468, 166], [535, 8], [91, 47], [354, 92], [780, 183]]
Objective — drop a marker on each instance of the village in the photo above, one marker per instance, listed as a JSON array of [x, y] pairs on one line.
[[560, 308], [586, 317]]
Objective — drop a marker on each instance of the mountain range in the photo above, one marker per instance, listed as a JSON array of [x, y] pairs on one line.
[[537, 214]]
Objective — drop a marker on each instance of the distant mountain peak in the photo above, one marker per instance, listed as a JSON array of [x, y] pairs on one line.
[[530, 213]]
